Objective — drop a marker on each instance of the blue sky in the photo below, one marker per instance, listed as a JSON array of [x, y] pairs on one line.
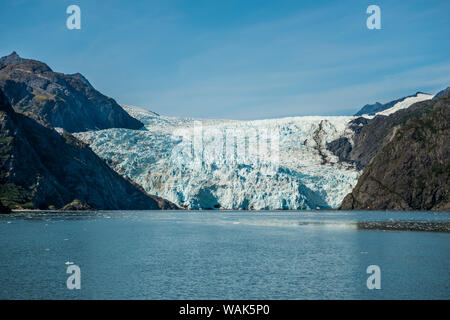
[[246, 59]]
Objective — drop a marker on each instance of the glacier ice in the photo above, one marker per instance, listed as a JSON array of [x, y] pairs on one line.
[[206, 164]]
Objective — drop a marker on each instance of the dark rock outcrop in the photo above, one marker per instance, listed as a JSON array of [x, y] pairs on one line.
[[41, 169], [412, 169], [59, 100], [370, 109], [371, 135], [4, 209], [76, 205], [342, 148], [353, 154], [369, 138]]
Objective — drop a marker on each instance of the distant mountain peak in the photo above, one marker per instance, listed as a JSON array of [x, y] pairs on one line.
[[11, 58], [34, 66], [59, 100], [43, 169], [446, 91]]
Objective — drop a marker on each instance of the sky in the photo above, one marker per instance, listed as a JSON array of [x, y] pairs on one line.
[[239, 59]]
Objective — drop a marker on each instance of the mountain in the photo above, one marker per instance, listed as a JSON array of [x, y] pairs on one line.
[[412, 170], [442, 93], [370, 109], [371, 134], [4, 209], [42, 169], [59, 100], [395, 105]]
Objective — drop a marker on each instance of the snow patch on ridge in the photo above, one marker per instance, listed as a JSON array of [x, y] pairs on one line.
[[406, 103], [403, 104]]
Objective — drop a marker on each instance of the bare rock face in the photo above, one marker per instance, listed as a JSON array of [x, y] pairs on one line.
[[412, 169], [42, 169], [361, 152], [59, 100]]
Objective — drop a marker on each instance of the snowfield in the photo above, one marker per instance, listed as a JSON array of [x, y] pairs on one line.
[[403, 104], [211, 164], [406, 103]]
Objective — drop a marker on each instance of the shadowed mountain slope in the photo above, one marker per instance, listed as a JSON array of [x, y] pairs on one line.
[[412, 169], [59, 100], [41, 169]]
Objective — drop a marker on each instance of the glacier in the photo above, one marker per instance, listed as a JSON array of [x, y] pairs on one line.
[[234, 164], [231, 164]]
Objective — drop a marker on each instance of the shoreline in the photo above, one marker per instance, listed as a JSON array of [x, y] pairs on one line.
[[421, 226]]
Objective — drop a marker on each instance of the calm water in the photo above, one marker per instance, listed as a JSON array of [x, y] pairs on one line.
[[221, 255]]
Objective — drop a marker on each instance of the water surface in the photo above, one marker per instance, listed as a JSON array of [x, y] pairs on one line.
[[224, 255]]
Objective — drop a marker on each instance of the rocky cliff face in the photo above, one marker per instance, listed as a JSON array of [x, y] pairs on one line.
[[411, 170], [41, 169], [59, 100]]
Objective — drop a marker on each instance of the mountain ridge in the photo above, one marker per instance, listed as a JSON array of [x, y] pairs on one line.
[[411, 171], [59, 100], [372, 109], [42, 169]]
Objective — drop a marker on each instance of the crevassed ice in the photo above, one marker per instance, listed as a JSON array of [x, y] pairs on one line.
[[259, 164]]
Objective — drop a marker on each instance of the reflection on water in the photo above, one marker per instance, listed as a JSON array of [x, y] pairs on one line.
[[225, 255]]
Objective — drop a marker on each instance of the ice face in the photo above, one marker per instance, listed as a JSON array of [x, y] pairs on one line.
[[207, 164]]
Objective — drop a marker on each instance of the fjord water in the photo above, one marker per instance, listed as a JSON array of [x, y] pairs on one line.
[[221, 255]]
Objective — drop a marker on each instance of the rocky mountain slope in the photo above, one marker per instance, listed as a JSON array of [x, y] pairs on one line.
[[371, 134], [4, 209], [41, 169], [442, 93], [59, 100], [411, 171]]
